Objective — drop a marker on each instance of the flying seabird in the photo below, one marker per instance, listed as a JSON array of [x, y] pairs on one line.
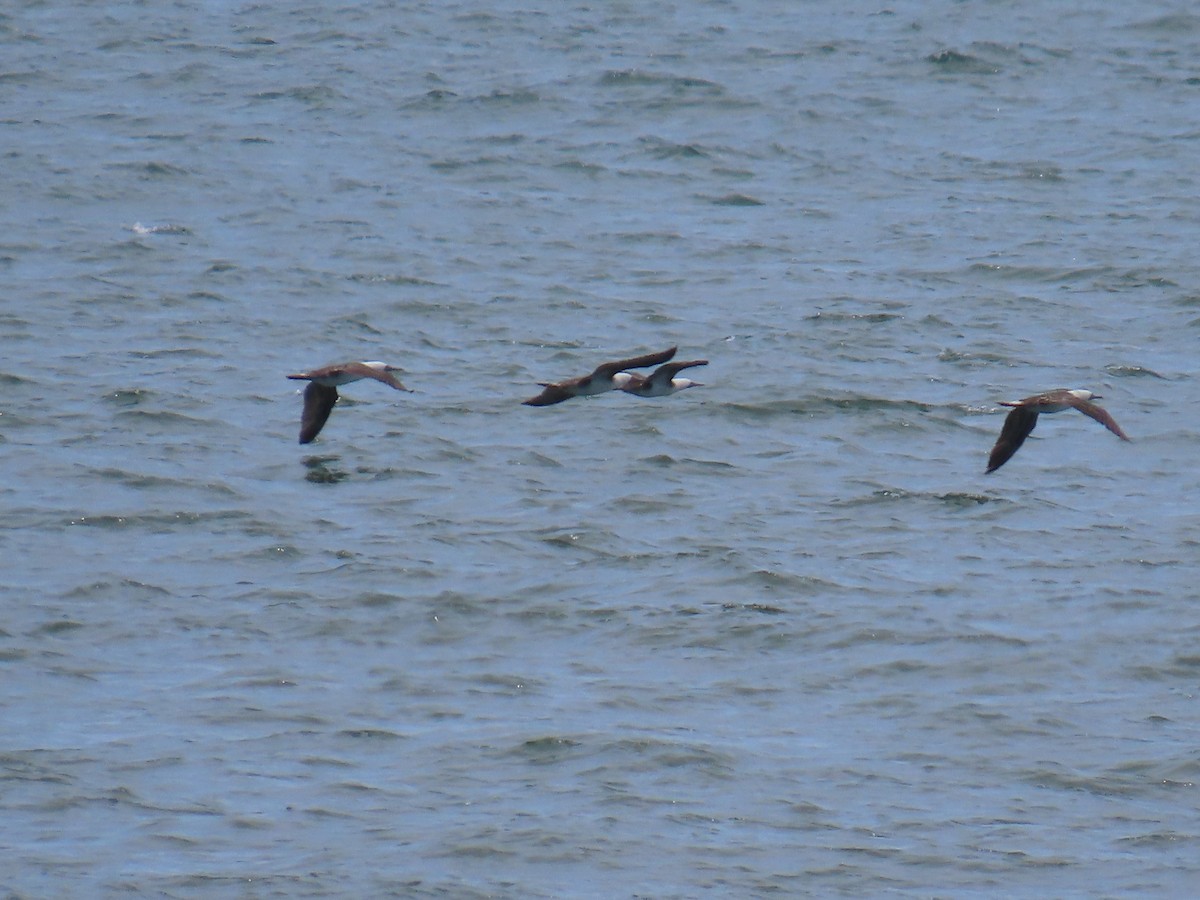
[[321, 393], [607, 377], [662, 381], [1021, 421]]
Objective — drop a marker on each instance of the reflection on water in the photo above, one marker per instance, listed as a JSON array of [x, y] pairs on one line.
[[324, 470]]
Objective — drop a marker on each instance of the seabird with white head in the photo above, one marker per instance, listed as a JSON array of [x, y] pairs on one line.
[[662, 381], [321, 393], [1021, 421]]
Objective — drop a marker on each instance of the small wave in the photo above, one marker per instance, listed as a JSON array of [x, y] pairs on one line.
[[370, 734], [62, 626], [972, 360], [321, 470], [152, 168], [961, 499], [134, 479], [160, 522], [391, 279], [812, 406], [128, 397], [667, 461], [164, 416], [737, 200], [578, 165], [1046, 173], [1177, 23], [961, 63], [435, 98], [549, 749], [640, 77], [660, 148], [762, 608], [644, 505], [174, 352], [1132, 372], [25, 77], [453, 165], [951, 499], [123, 587], [139, 228], [313, 95], [512, 97], [1072, 782], [870, 318], [1042, 274]]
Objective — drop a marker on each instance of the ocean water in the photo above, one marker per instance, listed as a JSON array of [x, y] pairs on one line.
[[777, 635]]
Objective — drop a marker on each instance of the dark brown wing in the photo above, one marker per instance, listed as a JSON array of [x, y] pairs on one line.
[[1100, 414], [609, 369], [553, 393], [364, 371], [318, 404], [670, 370], [1017, 426], [323, 372]]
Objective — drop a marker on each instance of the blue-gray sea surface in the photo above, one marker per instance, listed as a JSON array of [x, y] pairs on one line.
[[774, 635]]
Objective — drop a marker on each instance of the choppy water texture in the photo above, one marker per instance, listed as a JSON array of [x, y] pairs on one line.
[[775, 635]]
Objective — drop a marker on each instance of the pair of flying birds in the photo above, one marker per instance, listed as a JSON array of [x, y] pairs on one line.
[[321, 394], [612, 376]]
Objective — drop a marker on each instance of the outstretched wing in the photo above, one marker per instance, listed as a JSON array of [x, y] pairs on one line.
[[1017, 426], [324, 372], [668, 372], [609, 369], [318, 404], [1100, 415], [553, 393], [362, 370]]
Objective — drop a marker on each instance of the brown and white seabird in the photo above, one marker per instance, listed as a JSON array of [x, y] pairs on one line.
[[1021, 421], [607, 377], [321, 393], [662, 381]]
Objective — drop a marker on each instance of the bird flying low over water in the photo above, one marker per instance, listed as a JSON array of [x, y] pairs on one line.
[[662, 381], [321, 393], [608, 376], [1021, 421]]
